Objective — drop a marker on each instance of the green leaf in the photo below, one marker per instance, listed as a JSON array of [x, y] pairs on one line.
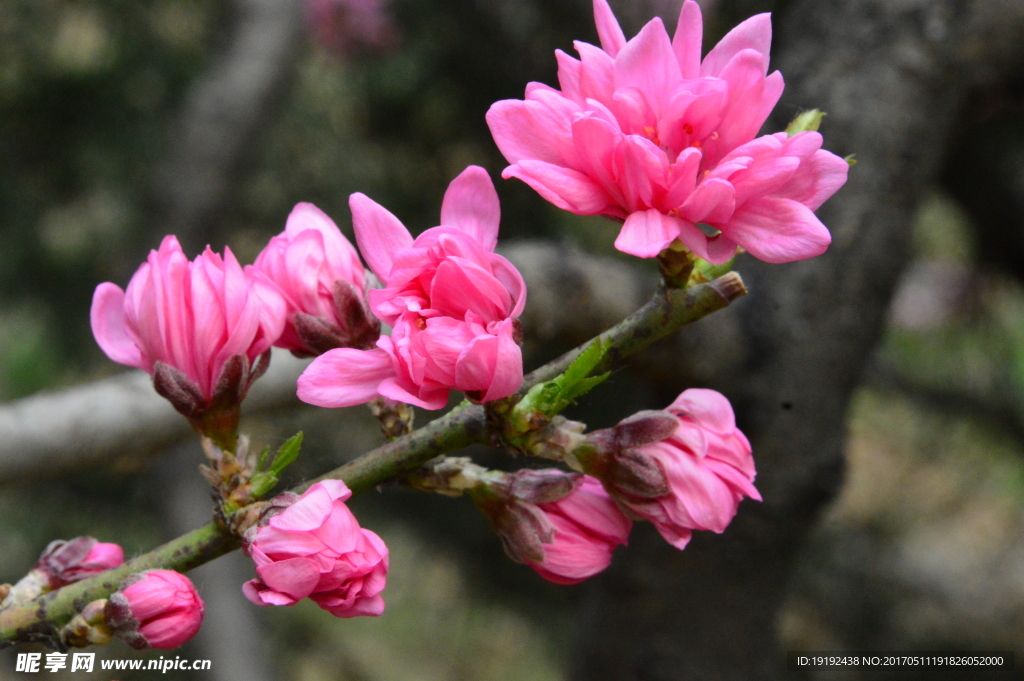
[[808, 120], [263, 458], [286, 453], [263, 483], [711, 272]]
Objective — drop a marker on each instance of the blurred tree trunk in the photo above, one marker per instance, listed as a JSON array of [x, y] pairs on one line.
[[893, 77]]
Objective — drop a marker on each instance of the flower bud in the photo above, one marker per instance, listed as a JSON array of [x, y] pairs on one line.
[[692, 477], [155, 609], [323, 283], [62, 563], [65, 562], [588, 526], [315, 548]]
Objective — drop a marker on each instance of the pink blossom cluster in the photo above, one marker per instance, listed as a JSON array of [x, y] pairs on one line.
[[316, 549], [702, 470], [646, 132], [452, 302], [191, 316]]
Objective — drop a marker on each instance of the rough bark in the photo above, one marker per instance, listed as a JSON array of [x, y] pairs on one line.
[[892, 77]]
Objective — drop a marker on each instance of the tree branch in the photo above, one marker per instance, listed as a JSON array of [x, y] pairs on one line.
[[667, 311]]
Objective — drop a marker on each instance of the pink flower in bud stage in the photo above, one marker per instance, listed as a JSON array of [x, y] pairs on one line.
[[187, 322], [706, 464], [155, 609], [323, 283], [316, 549], [452, 301], [588, 526], [644, 131], [64, 562]]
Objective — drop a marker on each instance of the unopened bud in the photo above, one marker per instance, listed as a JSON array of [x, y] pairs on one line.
[[636, 474], [541, 486], [155, 609]]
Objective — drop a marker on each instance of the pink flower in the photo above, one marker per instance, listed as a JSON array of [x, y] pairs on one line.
[[452, 301], [706, 464], [64, 562], [316, 549], [646, 132], [156, 609], [192, 318], [588, 526], [323, 283]]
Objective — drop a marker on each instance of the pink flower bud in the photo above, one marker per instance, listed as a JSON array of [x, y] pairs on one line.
[[588, 527], [155, 609], [452, 301], [646, 132], [323, 283], [198, 327], [705, 465], [315, 548], [64, 562]]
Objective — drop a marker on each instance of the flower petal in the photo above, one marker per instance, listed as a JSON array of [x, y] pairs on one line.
[[471, 205], [608, 29], [646, 233], [109, 327], [778, 230], [344, 377], [378, 233]]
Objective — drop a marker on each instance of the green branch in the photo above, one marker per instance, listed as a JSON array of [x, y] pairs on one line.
[[667, 311]]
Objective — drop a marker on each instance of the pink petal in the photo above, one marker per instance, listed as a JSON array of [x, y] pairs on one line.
[[682, 177], [569, 75], [471, 205], [648, 63], [295, 577], [378, 233], [108, 327], [817, 179], [712, 201], [595, 140], [646, 233], [687, 40], [597, 73], [308, 513], [344, 377], [512, 125], [508, 367], [428, 399], [608, 29], [336, 489], [568, 189], [778, 230], [754, 33], [709, 408]]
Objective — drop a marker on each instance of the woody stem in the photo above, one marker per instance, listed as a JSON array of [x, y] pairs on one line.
[[667, 311]]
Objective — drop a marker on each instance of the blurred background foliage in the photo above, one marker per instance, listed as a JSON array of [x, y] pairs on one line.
[[925, 538]]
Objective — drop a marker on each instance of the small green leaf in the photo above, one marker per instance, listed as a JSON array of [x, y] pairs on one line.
[[711, 272], [584, 387], [286, 453], [263, 483], [851, 160], [808, 120], [584, 364], [263, 458]]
